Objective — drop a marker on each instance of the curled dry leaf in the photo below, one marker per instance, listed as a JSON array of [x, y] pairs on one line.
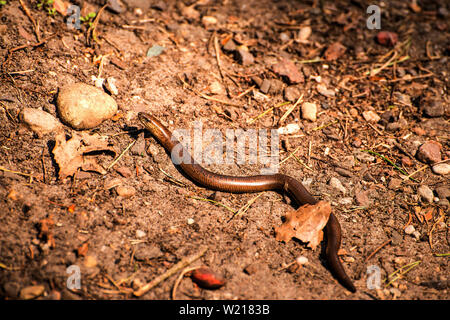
[[205, 278], [71, 154], [305, 224]]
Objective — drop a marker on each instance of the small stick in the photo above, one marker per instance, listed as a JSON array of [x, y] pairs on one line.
[[35, 25], [121, 155], [219, 63], [287, 113], [180, 265], [377, 249], [244, 208], [180, 277]]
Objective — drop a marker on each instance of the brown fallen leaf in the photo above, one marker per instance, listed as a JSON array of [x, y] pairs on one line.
[[288, 69], [305, 224], [71, 154], [334, 51]]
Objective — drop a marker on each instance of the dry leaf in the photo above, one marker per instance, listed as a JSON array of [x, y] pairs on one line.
[[334, 51], [288, 69], [305, 224], [61, 7], [71, 154]]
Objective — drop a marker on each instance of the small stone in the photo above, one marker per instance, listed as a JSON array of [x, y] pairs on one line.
[[394, 184], [284, 37], [83, 106], [407, 162], [244, 56], [410, 229], [209, 20], [441, 169], [124, 172], [302, 260], [31, 292], [419, 131], [433, 109], [288, 69], [289, 129], [416, 234], [40, 122], [110, 85], [90, 261], [265, 86], [425, 193], [443, 192], [337, 184], [217, 88], [190, 221], [323, 90], [140, 234], [371, 116], [309, 111], [112, 183], [364, 157], [125, 191], [304, 33], [276, 86], [292, 93], [429, 152], [251, 268], [230, 45], [345, 201], [362, 198]]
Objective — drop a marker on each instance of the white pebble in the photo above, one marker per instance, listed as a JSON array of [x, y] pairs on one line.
[[425, 193], [289, 129], [309, 111], [441, 168], [371, 116], [140, 234], [190, 221], [301, 260], [410, 229]]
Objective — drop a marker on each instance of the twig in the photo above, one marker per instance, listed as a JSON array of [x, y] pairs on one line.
[[214, 202], [391, 163], [35, 25], [401, 272], [205, 96], [244, 208], [92, 32], [121, 155], [267, 111], [180, 277], [291, 108], [219, 63], [377, 249], [180, 265]]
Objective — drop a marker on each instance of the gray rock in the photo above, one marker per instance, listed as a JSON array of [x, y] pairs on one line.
[[425, 193], [441, 169], [83, 106], [336, 184], [40, 122]]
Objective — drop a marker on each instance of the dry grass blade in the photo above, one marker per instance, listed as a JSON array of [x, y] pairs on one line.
[[180, 265], [291, 108]]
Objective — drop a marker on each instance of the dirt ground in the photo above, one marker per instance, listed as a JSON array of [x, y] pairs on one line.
[[120, 242]]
